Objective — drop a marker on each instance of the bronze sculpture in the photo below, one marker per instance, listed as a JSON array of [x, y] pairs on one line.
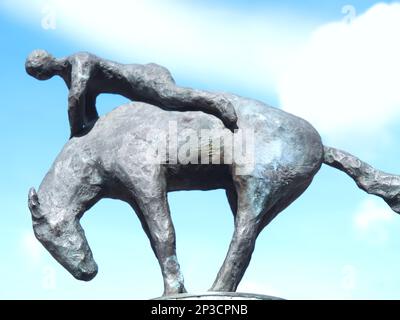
[[113, 159]]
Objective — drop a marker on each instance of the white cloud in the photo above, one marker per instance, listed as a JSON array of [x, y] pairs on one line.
[[216, 42], [31, 248], [343, 77], [371, 221], [346, 79]]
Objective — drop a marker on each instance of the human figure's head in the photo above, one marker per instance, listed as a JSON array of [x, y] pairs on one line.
[[41, 65]]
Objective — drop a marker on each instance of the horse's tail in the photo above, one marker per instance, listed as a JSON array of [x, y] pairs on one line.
[[369, 179]]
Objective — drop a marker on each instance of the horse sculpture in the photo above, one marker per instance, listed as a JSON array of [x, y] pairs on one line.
[[111, 161], [107, 162]]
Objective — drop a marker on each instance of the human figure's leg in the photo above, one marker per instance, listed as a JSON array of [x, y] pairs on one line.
[[160, 84]]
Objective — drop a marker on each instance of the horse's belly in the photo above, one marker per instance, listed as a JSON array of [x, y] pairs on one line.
[[198, 177]]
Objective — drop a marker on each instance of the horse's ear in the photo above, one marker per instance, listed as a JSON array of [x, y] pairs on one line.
[[33, 204]]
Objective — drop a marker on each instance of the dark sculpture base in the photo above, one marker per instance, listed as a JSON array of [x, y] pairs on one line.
[[219, 296]]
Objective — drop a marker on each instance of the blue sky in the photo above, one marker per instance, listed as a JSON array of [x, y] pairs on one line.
[[309, 58]]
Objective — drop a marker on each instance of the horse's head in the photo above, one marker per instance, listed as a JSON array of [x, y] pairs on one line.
[[57, 227]]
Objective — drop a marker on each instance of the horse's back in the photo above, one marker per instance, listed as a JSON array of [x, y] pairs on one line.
[[281, 141]]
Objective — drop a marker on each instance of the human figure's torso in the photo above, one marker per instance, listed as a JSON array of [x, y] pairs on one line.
[[133, 81]]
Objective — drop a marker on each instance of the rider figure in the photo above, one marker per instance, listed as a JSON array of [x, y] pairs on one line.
[[87, 76]]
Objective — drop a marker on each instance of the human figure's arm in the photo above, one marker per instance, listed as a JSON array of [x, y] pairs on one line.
[[80, 75], [75, 111], [91, 114]]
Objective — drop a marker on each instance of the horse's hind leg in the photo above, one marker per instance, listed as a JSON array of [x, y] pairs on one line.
[[252, 198]]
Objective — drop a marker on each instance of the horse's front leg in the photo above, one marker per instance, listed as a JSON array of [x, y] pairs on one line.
[[161, 234], [152, 208]]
